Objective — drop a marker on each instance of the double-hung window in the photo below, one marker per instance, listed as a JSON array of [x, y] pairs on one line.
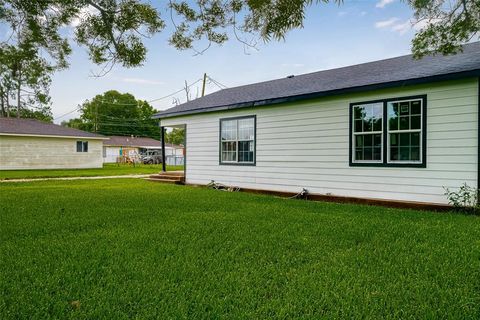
[[368, 132], [405, 131], [237, 140], [82, 146], [388, 132]]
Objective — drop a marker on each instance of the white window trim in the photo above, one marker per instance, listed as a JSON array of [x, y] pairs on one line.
[[83, 142], [237, 162]]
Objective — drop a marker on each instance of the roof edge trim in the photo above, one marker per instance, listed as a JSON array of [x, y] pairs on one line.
[[51, 136]]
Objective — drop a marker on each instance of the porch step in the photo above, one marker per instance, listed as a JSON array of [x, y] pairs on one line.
[[176, 177], [165, 180]]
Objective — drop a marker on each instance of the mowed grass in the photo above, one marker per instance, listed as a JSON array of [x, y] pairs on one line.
[[126, 248], [109, 169]]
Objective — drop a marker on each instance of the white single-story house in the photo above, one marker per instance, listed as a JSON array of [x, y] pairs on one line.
[[396, 130], [33, 144], [116, 147]]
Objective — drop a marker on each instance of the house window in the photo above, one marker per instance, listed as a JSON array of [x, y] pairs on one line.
[[388, 132], [82, 146], [237, 140], [405, 131], [368, 132]]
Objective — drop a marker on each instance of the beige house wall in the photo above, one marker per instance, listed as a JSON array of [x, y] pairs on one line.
[[29, 152]]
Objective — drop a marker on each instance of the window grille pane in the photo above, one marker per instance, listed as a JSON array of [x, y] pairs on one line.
[[368, 147], [79, 146], [394, 153], [415, 153], [246, 129], [368, 117], [404, 139], [416, 107], [415, 139], [404, 108], [245, 151], [367, 153], [229, 151], [404, 123], [415, 122], [358, 125], [394, 140], [404, 153], [359, 141], [405, 146], [377, 140], [229, 129], [85, 146]]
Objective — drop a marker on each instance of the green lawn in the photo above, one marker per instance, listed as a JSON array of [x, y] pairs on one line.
[[109, 169], [129, 248]]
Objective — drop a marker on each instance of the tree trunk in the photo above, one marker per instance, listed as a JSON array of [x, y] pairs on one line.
[[2, 102], [18, 96], [8, 105]]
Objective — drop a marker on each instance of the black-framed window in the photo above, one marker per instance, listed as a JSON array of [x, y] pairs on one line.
[[82, 146], [389, 132], [237, 140]]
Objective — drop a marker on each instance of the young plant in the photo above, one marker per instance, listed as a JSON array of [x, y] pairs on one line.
[[466, 198]]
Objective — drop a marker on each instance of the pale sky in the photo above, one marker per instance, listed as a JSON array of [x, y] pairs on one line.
[[333, 36]]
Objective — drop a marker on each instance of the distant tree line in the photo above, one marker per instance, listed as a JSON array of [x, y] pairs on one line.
[[120, 114]]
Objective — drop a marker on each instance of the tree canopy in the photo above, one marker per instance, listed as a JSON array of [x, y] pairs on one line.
[[115, 113], [113, 31], [38, 40], [176, 136]]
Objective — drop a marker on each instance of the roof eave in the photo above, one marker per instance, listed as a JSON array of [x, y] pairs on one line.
[[51, 136], [375, 86]]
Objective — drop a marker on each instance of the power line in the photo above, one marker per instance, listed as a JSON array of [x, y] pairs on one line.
[[66, 114], [219, 84], [129, 104], [153, 100], [167, 96]]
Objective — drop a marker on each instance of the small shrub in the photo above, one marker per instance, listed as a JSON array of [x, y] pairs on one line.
[[465, 198]]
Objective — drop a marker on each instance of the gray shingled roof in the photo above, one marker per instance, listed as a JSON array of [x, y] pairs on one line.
[[129, 141], [367, 76], [14, 126]]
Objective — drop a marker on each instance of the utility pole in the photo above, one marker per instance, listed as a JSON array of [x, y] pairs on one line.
[[204, 81], [96, 117]]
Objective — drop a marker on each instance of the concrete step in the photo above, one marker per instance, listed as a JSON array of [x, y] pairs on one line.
[[166, 177], [165, 180], [173, 173]]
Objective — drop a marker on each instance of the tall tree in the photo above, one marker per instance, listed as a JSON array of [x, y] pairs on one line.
[[30, 53], [115, 113], [24, 79]]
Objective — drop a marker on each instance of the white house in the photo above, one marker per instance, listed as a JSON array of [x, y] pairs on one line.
[[33, 144], [116, 147], [398, 130]]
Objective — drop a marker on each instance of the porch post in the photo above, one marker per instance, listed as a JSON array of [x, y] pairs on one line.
[[164, 165]]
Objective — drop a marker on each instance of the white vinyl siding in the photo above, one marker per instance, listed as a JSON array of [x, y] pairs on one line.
[[306, 144]]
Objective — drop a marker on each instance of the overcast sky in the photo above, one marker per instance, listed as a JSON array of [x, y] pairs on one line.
[[333, 36]]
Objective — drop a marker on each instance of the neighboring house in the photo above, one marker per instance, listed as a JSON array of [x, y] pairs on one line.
[[398, 129], [33, 144], [116, 147]]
